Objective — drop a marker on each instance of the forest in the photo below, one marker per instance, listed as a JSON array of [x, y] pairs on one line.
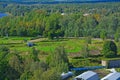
[[57, 23], [49, 22]]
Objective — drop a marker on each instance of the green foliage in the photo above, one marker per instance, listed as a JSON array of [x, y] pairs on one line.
[[3, 69], [4, 49], [109, 49], [25, 76], [57, 57], [117, 35], [53, 29], [46, 21], [103, 35], [50, 35], [110, 54], [85, 51], [88, 40], [118, 46], [34, 54], [81, 62], [16, 62], [37, 75], [52, 74]]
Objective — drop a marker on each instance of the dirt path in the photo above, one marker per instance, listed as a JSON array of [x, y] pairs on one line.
[[38, 40]]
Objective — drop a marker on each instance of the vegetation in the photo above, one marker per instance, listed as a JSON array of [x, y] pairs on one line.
[[65, 36], [15, 66], [46, 61], [48, 21], [109, 49]]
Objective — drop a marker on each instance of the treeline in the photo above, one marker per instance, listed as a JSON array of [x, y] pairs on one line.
[[41, 23], [61, 20], [100, 8]]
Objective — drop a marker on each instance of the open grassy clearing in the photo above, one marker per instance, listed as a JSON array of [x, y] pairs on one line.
[[74, 45], [13, 40], [71, 45]]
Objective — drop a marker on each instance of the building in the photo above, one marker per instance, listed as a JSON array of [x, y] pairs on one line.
[[112, 76], [111, 63], [30, 44], [89, 75], [65, 76]]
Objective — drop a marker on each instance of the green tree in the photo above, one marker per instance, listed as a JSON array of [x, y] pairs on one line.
[[57, 57], [15, 62], [34, 54], [53, 29], [117, 37], [58, 60], [4, 51], [51, 74], [103, 35], [15, 66], [118, 46], [109, 49], [88, 40], [85, 51]]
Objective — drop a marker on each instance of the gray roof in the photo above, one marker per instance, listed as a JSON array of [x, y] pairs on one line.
[[65, 76], [112, 76], [87, 75]]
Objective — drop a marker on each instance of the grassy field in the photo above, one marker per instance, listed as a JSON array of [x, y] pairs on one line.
[[72, 46]]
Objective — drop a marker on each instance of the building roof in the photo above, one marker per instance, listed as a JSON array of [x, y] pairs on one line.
[[86, 75], [65, 76], [112, 76]]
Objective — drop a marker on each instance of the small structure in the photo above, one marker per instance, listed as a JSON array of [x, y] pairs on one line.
[[65, 76], [89, 75], [30, 44], [112, 76], [111, 63]]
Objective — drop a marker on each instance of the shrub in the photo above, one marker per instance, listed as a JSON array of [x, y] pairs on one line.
[[109, 49], [4, 49], [110, 54], [89, 39]]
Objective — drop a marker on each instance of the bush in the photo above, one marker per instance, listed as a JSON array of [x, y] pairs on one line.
[[110, 54], [109, 49], [4, 49], [89, 39]]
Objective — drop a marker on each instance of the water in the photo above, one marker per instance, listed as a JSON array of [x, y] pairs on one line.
[[2, 15]]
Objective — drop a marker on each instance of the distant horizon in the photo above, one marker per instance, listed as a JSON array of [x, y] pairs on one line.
[[56, 1]]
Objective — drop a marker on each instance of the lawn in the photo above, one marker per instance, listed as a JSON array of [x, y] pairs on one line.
[[71, 45]]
